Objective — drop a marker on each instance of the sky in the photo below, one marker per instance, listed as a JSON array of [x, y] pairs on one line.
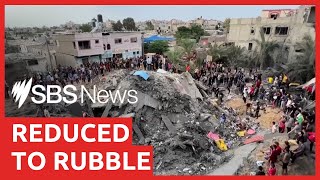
[[36, 15]]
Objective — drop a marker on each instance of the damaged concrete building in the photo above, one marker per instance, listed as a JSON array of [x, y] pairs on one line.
[[36, 47], [286, 26], [23, 63]]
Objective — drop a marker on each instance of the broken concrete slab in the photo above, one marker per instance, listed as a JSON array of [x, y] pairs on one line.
[[114, 82], [98, 105], [138, 132], [128, 115], [235, 163], [107, 109], [273, 135], [204, 117], [200, 85], [187, 86], [168, 124], [203, 93], [145, 100]]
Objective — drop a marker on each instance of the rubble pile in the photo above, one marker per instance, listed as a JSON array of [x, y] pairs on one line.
[[173, 116]]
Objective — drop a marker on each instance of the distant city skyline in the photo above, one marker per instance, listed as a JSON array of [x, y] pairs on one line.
[[40, 15]]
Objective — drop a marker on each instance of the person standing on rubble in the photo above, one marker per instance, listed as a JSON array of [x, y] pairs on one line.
[[245, 94], [149, 63], [272, 170], [188, 68], [220, 97], [260, 171], [285, 161], [257, 110], [223, 119], [298, 152]]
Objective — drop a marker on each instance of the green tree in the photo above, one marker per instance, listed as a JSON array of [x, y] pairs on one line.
[[129, 24], [158, 47], [266, 49], [303, 69], [175, 55], [226, 25], [85, 28], [194, 32], [188, 46], [234, 54], [117, 26], [150, 26], [217, 52]]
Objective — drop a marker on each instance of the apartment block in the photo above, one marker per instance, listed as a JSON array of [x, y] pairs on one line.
[[286, 26], [79, 48]]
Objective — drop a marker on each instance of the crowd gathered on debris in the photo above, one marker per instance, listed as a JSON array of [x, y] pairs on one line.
[[298, 124], [63, 75], [257, 93]]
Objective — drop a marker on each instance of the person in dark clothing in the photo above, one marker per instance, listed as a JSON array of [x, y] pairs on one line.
[[257, 110], [145, 64], [260, 171], [298, 152]]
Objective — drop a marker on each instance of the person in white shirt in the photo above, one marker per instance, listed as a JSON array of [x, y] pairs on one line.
[[274, 127], [149, 61], [163, 63], [245, 94]]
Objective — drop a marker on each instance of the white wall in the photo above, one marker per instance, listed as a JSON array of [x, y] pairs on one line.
[[126, 44]]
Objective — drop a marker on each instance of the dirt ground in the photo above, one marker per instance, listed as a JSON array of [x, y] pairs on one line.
[[304, 165], [266, 117], [271, 114]]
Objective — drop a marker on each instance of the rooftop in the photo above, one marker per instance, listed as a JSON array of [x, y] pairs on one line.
[[279, 9], [16, 57], [28, 42]]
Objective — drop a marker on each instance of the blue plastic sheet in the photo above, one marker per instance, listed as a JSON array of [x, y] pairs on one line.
[[157, 38], [142, 74]]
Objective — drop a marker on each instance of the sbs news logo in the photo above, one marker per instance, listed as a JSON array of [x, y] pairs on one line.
[[21, 89]]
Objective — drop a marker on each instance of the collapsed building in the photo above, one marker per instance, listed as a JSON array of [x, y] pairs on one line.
[[174, 114]]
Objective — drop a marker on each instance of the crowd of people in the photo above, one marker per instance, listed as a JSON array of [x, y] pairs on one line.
[[220, 80], [257, 94], [84, 73]]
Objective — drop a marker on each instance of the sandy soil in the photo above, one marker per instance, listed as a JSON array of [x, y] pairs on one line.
[[266, 117]]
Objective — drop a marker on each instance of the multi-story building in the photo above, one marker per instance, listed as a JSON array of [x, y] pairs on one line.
[[286, 26], [122, 44], [79, 48]]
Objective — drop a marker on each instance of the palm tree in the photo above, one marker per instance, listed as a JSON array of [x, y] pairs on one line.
[[175, 55], [216, 52], [266, 49], [188, 45], [303, 69], [234, 53]]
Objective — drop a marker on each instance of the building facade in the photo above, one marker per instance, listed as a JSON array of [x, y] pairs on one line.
[[285, 26], [37, 47], [17, 65], [80, 48], [122, 45]]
